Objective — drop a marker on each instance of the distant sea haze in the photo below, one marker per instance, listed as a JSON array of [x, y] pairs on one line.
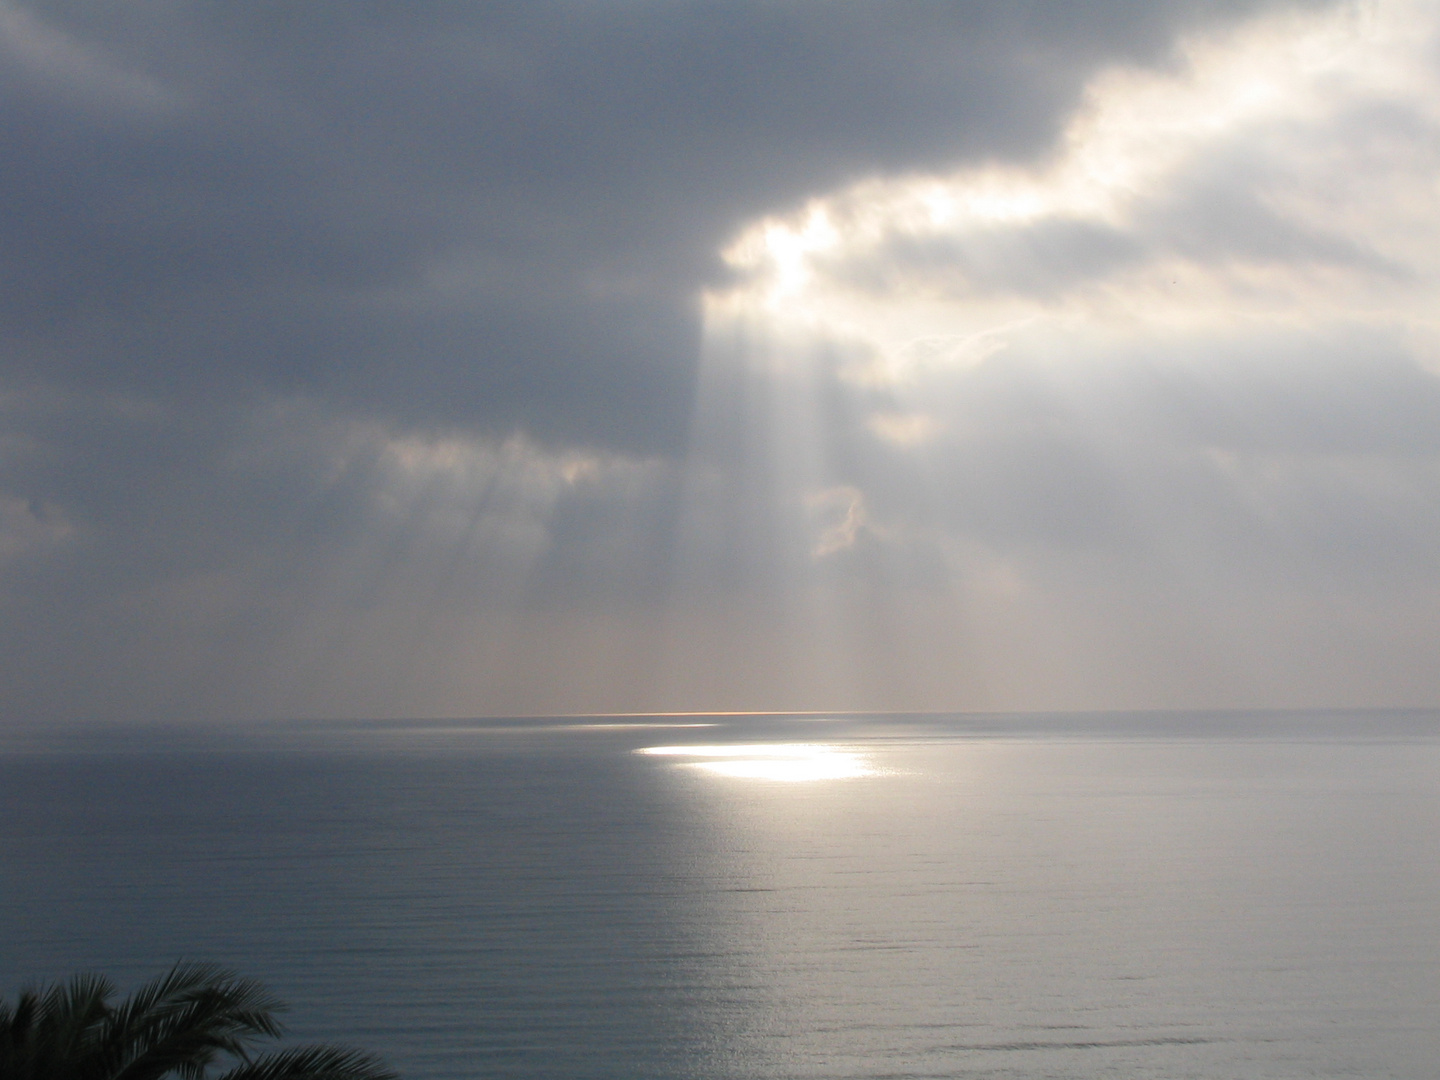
[[1140, 895]]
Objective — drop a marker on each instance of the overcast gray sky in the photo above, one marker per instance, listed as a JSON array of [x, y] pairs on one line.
[[407, 359]]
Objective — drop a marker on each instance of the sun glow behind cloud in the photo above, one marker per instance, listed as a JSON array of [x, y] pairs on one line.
[[1281, 114], [1069, 400]]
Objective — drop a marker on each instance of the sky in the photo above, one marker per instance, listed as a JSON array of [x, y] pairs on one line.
[[597, 356]]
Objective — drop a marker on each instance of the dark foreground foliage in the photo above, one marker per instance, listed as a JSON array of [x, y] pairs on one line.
[[198, 1022]]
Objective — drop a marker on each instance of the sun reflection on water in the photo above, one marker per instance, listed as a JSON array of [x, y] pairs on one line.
[[771, 761]]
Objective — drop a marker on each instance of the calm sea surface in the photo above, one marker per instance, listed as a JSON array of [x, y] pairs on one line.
[[1044, 896]]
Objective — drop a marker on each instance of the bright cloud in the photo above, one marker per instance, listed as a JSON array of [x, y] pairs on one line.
[[1283, 172], [1157, 409]]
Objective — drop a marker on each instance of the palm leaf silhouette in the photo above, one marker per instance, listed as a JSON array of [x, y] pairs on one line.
[[188, 1023]]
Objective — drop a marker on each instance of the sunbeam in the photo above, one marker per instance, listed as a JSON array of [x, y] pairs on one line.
[[1051, 413]]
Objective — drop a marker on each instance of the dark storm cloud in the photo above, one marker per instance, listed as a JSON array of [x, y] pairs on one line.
[[484, 215]]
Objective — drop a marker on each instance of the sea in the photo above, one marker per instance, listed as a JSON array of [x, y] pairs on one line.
[[1137, 895]]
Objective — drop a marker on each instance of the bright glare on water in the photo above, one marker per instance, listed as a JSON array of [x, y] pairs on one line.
[[771, 761], [1139, 897]]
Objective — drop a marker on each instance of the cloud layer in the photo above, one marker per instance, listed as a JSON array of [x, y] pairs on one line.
[[571, 357]]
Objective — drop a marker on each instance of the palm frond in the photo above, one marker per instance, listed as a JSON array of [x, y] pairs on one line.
[[179, 1026], [16, 1026], [313, 1063], [186, 1019], [49, 1032]]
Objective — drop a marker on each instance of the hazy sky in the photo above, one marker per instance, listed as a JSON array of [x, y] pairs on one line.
[[406, 359]]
